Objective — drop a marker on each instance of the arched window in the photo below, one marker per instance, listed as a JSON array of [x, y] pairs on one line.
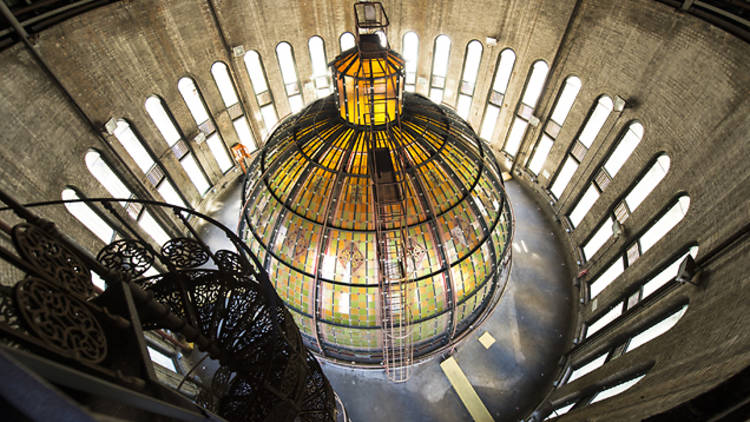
[[228, 93], [439, 67], [588, 367], [410, 51], [578, 149], [505, 62], [469, 78], [88, 217], [664, 224], [117, 189], [597, 324], [602, 179], [554, 124], [666, 275], [656, 329], [347, 41], [285, 55], [320, 76], [616, 389], [162, 120], [153, 171], [525, 110], [200, 114], [257, 75]]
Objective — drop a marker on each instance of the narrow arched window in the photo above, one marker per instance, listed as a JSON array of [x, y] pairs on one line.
[[320, 75], [441, 52], [347, 41], [154, 172], [552, 128], [117, 189], [664, 224], [656, 329], [602, 179], [410, 51], [577, 151], [88, 217], [505, 62], [616, 389], [257, 75], [285, 56], [228, 92], [158, 113], [469, 78], [525, 109], [587, 367], [198, 110], [666, 275]]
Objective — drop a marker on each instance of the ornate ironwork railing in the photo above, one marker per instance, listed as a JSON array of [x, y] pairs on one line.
[[55, 323]]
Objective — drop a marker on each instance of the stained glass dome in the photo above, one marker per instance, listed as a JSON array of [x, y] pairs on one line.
[[317, 216]]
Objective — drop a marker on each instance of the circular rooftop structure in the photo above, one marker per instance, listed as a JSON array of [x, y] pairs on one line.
[[310, 216]]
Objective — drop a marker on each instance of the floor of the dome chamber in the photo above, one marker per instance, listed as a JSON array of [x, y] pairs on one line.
[[530, 326]]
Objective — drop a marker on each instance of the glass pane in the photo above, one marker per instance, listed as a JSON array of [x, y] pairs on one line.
[[88, 217], [224, 82], [286, 62], [536, 83], [584, 205], [269, 116], [563, 178], [600, 237], [152, 228], [596, 121], [605, 319], [664, 224], [464, 106], [585, 369], [169, 193], [517, 130], [656, 330], [158, 114], [133, 146], [624, 148], [436, 95], [560, 411], [613, 391], [161, 359], [606, 278], [255, 71], [666, 275], [540, 154], [347, 41], [104, 174], [98, 281], [295, 103], [243, 132], [216, 145], [318, 56], [440, 59], [473, 59], [411, 55], [489, 122], [189, 93], [648, 182], [565, 102], [195, 174], [504, 70]]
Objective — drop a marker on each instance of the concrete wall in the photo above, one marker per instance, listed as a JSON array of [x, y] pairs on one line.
[[686, 82]]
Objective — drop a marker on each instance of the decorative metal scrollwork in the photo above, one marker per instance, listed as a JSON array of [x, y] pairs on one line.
[[183, 252], [52, 259], [63, 322], [230, 262], [130, 257]]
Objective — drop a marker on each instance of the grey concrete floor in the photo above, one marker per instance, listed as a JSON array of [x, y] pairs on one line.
[[530, 325]]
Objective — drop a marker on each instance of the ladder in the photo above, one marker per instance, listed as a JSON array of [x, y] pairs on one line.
[[389, 184]]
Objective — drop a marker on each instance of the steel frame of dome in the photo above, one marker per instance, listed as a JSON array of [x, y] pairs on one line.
[[288, 154]]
